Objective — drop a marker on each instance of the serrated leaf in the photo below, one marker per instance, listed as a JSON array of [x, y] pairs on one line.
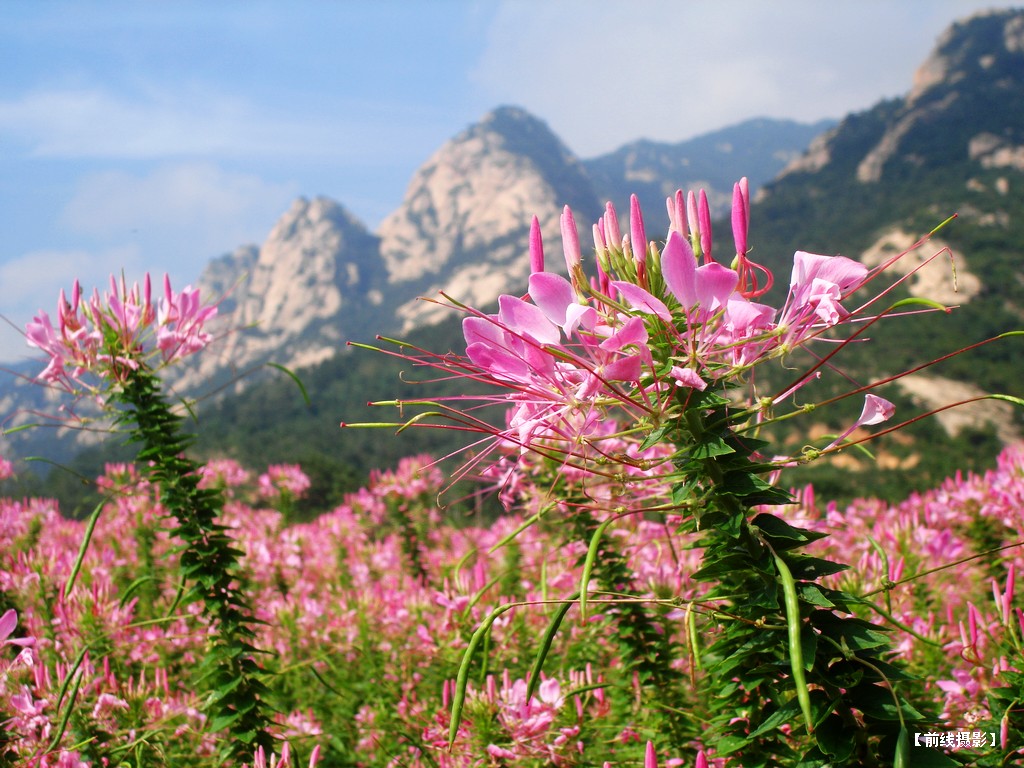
[[710, 447], [654, 437], [783, 535]]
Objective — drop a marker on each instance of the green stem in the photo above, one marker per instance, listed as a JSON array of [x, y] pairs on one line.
[[210, 569]]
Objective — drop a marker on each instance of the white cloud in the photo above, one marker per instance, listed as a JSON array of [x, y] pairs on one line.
[[605, 73], [150, 122], [94, 123], [174, 219], [157, 122], [177, 216], [193, 205]]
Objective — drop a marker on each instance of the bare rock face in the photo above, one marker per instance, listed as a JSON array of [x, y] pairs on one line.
[[297, 298], [993, 151], [957, 109], [976, 64], [944, 278], [464, 224], [937, 392]]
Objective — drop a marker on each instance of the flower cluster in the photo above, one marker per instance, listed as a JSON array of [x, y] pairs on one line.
[[283, 481], [655, 325], [110, 335]]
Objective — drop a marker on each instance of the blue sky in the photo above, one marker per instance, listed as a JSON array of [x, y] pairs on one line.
[[158, 135]]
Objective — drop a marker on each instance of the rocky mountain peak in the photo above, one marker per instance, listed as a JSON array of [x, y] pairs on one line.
[[464, 223], [977, 64], [285, 300], [991, 40]]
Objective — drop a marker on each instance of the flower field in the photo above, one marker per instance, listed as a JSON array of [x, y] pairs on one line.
[[366, 612]]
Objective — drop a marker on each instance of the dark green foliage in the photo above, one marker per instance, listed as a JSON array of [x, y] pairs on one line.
[[642, 633], [788, 651], [209, 564]]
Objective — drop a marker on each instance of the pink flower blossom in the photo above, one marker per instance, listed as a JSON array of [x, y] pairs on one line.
[[283, 479], [111, 335]]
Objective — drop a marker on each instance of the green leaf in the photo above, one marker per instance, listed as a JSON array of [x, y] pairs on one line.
[[730, 744], [684, 493], [814, 594], [835, 739], [782, 535], [877, 701], [808, 645], [781, 716], [845, 674], [813, 568], [655, 437], [860, 636], [711, 446], [220, 722], [710, 399], [721, 566]]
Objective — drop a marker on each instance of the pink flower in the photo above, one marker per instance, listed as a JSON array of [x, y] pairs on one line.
[[180, 321], [111, 335], [699, 290], [283, 479], [876, 410], [817, 285], [687, 377]]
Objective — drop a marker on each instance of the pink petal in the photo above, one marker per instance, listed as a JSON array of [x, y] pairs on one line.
[[553, 294], [715, 284], [679, 268], [633, 331], [625, 369], [500, 363], [526, 319], [687, 377], [745, 316], [844, 272], [876, 410], [642, 300], [8, 622]]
